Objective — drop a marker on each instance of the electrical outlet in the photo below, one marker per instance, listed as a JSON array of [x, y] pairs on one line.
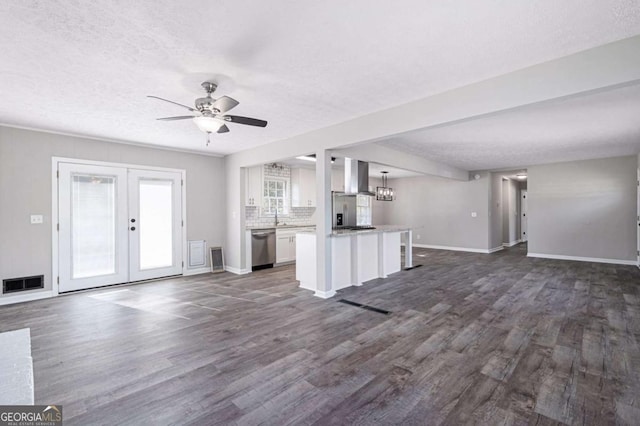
[[474, 214], [418, 237], [36, 219]]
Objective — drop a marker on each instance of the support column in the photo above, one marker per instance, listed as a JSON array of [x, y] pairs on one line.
[[323, 225], [408, 250]]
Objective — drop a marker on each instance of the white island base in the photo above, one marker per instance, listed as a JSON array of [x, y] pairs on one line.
[[356, 257]]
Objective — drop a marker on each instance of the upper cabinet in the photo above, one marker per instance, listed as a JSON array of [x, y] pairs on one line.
[[337, 179], [254, 186], [303, 188]]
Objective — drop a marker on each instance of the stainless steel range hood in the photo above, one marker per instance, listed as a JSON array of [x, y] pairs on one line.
[[356, 177]]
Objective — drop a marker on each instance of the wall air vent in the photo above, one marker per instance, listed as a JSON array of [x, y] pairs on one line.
[[197, 253], [14, 285]]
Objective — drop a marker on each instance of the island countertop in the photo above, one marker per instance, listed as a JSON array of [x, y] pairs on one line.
[[378, 228]]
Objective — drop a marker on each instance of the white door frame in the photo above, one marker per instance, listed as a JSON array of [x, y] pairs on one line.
[[638, 216], [524, 201], [55, 161]]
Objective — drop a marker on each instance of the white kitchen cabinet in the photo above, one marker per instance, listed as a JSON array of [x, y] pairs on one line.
[[285, 245], [337, 179], [254, 186], [303, 187]]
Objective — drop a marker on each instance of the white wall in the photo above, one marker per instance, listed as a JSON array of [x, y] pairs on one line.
[[439, 210], [584, 208], [25, 189]]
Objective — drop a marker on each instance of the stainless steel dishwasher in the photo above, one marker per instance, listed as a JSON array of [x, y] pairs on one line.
[[263, 248]]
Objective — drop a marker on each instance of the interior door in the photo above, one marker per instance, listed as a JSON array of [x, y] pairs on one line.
[[523, 216], [155, 224], [93, 240]]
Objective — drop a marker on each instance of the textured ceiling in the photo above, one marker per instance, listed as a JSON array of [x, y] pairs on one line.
[[85, 67], [605, 124]]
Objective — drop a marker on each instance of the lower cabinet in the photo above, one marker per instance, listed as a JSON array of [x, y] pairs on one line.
[[286, 243], [285, 247]]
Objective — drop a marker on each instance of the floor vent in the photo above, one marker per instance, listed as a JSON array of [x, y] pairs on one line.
[[217, 259], [14, 285], [367, 307], [412, 267]]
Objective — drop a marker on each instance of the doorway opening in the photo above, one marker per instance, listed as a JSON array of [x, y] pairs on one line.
[[511, 224]]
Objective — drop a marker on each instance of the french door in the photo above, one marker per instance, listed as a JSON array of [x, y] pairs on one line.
[[117, 225]]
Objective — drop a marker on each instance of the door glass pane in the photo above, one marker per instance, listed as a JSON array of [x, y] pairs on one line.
[[155, 223], [93, 226]]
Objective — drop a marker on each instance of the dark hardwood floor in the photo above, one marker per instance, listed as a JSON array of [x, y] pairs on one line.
[[471, 338]]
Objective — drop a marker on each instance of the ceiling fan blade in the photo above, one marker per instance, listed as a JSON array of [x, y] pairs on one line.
[[223, 129], [224, 104], [181, 117], [175, 103], [245, 120]]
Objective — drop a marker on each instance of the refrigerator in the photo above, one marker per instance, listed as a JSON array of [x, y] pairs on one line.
[[350, 210]]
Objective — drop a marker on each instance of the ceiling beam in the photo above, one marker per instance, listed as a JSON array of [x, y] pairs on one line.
[[374, 153]]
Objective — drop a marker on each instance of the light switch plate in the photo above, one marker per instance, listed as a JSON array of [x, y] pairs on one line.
[[36, 219], [474, 214]]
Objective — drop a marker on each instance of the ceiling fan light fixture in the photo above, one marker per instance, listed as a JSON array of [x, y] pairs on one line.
[[208, 124]]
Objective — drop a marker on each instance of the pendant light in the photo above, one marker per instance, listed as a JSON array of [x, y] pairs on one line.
[[384, 193]]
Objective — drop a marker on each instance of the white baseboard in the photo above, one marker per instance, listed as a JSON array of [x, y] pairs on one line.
[[495, 249], [583, 259], [324, 294], [471, 250], [19, 298], [237, 271], [512, 243], [197, 271]]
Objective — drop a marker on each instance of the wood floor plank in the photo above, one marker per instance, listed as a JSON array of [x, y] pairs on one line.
[[471, 339]]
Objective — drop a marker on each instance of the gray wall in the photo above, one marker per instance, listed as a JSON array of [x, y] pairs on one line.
[[511, 218], [584, 208], [495, 211], [439, 210], [379, 214], [25, 189]]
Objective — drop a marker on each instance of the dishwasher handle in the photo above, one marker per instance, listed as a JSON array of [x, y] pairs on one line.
[[262, 234]]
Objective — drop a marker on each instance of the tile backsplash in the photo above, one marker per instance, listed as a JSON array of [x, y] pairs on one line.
[[277, 170], [296, 216]]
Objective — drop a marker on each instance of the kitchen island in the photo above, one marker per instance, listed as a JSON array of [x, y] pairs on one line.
[[357, 256]]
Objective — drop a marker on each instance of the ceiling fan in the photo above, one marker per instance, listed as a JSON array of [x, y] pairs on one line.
[[209, 114]]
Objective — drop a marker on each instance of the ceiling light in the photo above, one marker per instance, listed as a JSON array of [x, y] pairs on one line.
[[384, 193], [312, 157], [208, 124]]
